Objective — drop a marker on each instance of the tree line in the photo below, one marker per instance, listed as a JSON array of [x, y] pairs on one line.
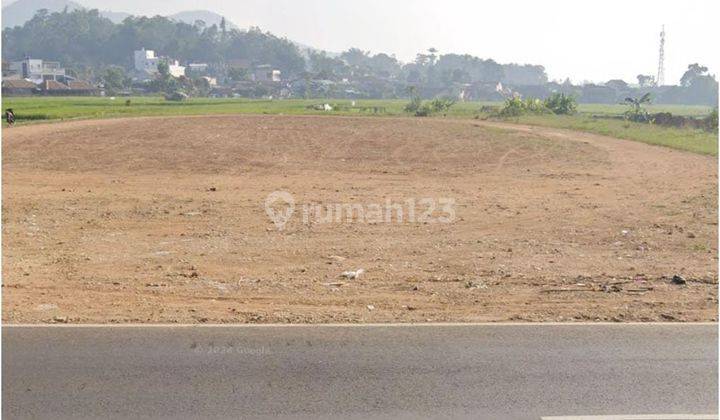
[[85, 41], [92, 47]]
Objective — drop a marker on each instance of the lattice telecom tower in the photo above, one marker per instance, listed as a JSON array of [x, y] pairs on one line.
[[661, 62]]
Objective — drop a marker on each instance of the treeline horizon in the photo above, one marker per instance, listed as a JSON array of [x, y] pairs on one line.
[[88, 44], [83, 38]]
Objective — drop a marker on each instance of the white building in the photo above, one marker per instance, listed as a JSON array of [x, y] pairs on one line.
[[197, 69], [265, 73], [146, 64], [145, 61], [212, 81], [38, 70]]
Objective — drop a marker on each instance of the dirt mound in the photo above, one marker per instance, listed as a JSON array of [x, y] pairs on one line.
[[164, 220], [241, 144]]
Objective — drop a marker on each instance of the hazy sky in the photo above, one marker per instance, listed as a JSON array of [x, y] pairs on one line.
[[585, 40]]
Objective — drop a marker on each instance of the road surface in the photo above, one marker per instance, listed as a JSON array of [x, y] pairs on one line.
[[438, 371]]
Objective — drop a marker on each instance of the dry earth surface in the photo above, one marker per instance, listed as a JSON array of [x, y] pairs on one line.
[[163, 220]]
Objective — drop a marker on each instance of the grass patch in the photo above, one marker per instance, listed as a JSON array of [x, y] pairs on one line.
[[699, 248], [63, 108], [618, 109], [693, 140]]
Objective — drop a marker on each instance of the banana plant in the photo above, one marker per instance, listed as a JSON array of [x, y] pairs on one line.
[[636, 112]]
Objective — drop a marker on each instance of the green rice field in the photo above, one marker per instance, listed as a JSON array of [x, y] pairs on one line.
[[50, 109]]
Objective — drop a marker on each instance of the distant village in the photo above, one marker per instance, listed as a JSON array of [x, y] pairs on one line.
[[140, 55], [244, 78], [34, 76]]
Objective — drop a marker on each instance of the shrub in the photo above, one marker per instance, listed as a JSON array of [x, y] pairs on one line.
[[535, 106], [712, 120], [561, 104], [414, 105], [515, 107], [176, 96], [442, 104], [424, 109]]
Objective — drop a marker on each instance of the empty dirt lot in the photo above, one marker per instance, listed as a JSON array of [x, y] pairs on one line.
[[163, 220]]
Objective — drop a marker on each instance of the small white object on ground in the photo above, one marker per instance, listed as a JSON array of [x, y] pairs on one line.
[[352, 275]]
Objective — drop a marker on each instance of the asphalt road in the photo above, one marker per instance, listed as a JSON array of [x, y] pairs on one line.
[[450, 371]]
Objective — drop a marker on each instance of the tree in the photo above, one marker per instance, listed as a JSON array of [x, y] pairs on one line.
[[428, 59], [384, 65], [693, 72], [617, 84], [355, 57], [77, 37], [326, 67], [645, 80], [432, 55], [712, 120], [163, 69], [265, 48], [238, 74], [702, 90], [84, 38], [524, 75], [114, 79]]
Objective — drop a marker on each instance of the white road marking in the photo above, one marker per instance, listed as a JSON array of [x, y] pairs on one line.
[[640, 417], [388, 325]]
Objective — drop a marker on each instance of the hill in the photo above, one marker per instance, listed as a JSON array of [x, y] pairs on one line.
[[210, 18], [20, 11], [115, 17]]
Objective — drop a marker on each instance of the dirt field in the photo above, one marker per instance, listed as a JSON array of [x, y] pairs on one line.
[[163, 220]]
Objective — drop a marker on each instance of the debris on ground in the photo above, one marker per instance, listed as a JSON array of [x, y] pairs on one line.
[[352, 275], [611, 288], [677, 279]]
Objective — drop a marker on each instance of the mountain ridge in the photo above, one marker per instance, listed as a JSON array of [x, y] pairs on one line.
[[20, 11]]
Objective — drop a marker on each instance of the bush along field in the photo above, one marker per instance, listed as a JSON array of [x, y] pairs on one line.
[[691, 128], [692, 131]]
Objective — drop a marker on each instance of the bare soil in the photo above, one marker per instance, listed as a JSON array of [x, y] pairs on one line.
[[162, 220]]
